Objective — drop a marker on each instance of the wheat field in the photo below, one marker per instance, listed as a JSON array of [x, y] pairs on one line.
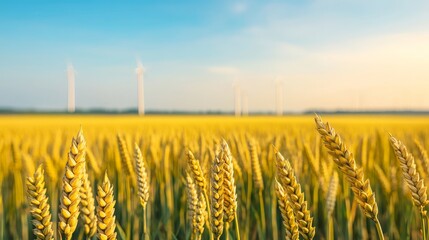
[[213, 177]]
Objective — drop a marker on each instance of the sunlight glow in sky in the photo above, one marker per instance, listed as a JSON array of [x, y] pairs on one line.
[[329, 54]]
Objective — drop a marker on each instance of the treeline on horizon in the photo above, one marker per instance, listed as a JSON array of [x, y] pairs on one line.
[[133, 111]]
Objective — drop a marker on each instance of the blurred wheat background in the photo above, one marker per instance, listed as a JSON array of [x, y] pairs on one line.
[[165, 142]]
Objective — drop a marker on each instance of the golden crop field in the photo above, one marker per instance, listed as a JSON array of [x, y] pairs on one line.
[[213, 177]]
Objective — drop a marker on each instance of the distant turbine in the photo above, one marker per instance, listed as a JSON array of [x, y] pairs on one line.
[[279, 97], [140, 74], [71, 93], [237, 100], [245, 104]]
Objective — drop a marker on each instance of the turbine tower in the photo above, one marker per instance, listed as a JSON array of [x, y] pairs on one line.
[[279, 97], [71, 90], [245, 105], [140, 74], [237, 100]]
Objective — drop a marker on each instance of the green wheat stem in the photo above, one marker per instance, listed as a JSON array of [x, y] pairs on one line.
[[208, 214], [423, 225], [227, 231], [145, 231], [262, 208], [237, 227], [330, 228], [379, 230]]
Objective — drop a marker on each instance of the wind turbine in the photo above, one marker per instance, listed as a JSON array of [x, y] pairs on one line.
[[279, 97], [71, 88], [237, 99], [140, 74], [245, 104]]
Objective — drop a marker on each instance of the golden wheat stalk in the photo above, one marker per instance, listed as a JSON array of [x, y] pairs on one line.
[[196, 171], [39, 206], [315, 168], [196, 208], [346, 163], [142, 185], [200, 215], [256, 165], [142, 178], [423, 157], [286, 177], [192, 197], [237, 169], [230, 196], [199, 180], [87, 206], [125, 158], [411, 176], [106, 226], [330, 204], [384, 180], [51, 170], [286, 211], [71, 184], [217, 197], [332, 194], [325, 170], [257, 178], [92, 162]]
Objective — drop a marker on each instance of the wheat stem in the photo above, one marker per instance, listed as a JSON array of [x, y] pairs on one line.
[[262, 210]]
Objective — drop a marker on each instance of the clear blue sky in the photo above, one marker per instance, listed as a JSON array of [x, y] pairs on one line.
[[328, 54]]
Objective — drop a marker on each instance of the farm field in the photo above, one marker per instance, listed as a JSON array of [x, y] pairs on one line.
[[174, 177]]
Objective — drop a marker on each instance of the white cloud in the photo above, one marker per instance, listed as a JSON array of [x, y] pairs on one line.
[[239, 7], [225, 70]]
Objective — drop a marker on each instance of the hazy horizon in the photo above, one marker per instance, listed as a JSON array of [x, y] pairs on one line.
[[329, 55]]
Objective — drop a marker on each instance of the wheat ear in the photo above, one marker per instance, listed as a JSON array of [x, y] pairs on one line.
[[411, 176], [201, 214], [230, 196], [286, 210], [286, 177], [217, 197], [256, 165], [71, 184], [92, 162], [332, 194], [423, 157], [143, 185], [196, 208], [346, 163], [39, 206], [196, 172], [106, 210], [330, 204], [257, 178], [142, 178], [125, 158], [199, 180], [237, 169], [87, 206]]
